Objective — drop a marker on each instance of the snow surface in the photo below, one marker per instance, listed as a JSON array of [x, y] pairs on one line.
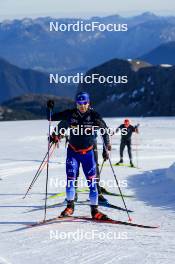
[[23, 145]]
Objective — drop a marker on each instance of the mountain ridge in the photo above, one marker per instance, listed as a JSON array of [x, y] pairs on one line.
[[149, 91], [164, 54], [36, 48], [15, 81]]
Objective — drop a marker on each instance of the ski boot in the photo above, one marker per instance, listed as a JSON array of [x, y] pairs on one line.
[[69, 210], [96, 214], [120, 161], [131, 164], [103, 190], [76, 197], [102, 199]]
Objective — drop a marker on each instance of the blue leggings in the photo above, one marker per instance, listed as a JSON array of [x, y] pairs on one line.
[[89, 168]]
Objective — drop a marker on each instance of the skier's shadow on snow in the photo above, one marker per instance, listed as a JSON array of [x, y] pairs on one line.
[[154, 188], [22, 194], [28, 225], [12, 159], [59, 205]]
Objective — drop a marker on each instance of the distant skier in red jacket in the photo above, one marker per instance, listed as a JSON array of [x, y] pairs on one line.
[[126, 133]]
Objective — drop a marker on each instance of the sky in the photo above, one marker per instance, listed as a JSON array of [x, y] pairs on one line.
[[10, 9]]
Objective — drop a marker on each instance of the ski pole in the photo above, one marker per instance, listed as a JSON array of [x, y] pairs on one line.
[[111, 145], [136, 143], [101, 167], [115, 177], [45, 162], [129, 218], [66, 141], [37, 174], [100, 170], [47, 174], [137, 151]]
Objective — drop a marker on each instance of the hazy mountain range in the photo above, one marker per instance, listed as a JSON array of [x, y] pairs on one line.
[[28, 52], [28, 43]]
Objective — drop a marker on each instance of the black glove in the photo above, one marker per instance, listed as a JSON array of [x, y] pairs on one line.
[[136, 128], [109, 147], [54, 138], [137, 125], [105, 155], [50, 104]]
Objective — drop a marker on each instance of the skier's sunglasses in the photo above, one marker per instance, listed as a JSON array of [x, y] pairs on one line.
[[83, 103]]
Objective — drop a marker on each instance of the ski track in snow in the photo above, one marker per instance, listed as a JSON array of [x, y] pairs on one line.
[[154, 201], [4, 261], [6, 172]]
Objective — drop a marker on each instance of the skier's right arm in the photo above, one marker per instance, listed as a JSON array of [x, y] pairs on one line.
[[64, 115]]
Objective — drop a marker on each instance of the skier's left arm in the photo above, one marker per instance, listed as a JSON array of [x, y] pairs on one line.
[[106, 140]]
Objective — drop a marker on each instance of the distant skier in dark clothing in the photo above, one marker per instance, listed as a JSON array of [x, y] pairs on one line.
[[126, 133], [80, 150]]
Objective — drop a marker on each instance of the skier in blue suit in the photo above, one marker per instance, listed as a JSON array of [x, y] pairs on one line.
[[80, 150]]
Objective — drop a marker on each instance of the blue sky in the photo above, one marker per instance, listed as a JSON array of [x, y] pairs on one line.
[[10, 9]]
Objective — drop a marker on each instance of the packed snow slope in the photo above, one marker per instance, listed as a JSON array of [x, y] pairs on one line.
[[23, 146]]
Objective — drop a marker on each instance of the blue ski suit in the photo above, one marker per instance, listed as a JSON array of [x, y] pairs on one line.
[[80, 149]]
